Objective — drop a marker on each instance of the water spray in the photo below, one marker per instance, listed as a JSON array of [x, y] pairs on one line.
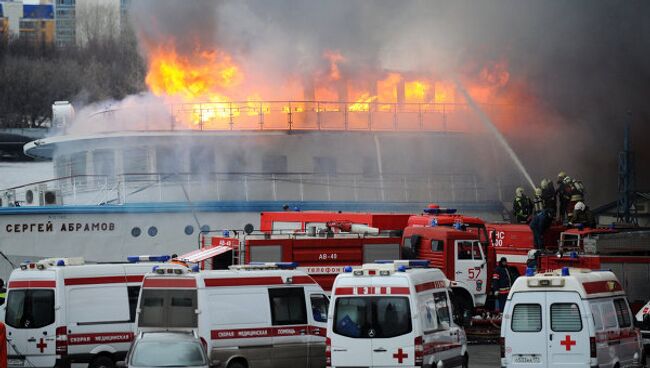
[[487, 122]]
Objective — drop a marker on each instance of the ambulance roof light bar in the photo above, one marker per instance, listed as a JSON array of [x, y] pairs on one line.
[[168, 270], [52, 262], [136, 259]]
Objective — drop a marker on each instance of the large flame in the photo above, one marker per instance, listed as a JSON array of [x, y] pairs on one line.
[[213, 88]]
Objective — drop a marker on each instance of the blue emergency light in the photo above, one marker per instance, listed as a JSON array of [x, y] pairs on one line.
[[401, 268], [195, 268], [574, 255], [530, 271], [438, 211], [280, 265], [434, 222], [60, 262], [136, 259], [226, 234], [347, 269], [565, 271]]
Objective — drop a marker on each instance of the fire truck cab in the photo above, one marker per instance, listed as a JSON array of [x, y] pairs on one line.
[[459, 254]]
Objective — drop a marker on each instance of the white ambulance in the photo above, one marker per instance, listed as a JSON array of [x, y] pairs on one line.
[[61, 311], [569, 318], [393, 315], [248, 316], [643, 322]]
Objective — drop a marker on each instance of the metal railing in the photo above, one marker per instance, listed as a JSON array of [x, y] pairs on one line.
[[251, 186], [294, 115]]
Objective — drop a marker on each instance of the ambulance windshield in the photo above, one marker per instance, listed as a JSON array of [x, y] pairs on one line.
[[372, 317], [30, 308]]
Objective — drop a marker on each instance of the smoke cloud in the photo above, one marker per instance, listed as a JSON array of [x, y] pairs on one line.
[[573, 68]]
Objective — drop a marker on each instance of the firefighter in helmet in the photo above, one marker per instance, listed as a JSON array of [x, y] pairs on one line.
[[549, 197], [533, 256], [541, 220], [502, 280], [563, 194], [582, 216], [576, 194], [522, 207]]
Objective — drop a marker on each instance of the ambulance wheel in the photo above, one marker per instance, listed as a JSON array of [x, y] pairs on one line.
[[465, 361], [237, 364], [102, 361]]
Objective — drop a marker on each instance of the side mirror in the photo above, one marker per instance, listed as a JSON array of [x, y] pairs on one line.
[[120, 364], [483, 264]]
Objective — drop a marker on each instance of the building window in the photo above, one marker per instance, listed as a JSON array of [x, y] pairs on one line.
[[153, 231], [324, 165]]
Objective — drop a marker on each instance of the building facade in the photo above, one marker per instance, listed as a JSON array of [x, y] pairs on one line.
[[37, 26]]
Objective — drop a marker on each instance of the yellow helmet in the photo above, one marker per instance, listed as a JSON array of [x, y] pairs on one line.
[[519, 191], [538, 191], [561, 175]]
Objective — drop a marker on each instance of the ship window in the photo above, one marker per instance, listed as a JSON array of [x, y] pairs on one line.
[[274, 164], [167, 161], [135, 232], [202, 160], [370, 168], [153, 231], [189, 230], [324, 165], [104, 162], [205, 228], [78, 167], [62, 166], [135, 161]]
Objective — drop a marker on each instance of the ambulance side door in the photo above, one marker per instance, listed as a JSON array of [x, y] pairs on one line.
[[317, 307], [290, 323]]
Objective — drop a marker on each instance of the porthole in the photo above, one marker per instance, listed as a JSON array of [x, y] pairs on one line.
[[135, 232], [189, 230], [205, 228], [153, 231]]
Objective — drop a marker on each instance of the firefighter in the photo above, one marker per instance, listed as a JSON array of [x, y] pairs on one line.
[[582, 215], [540, 221], [576, 194], [522, 207], [533, 255], [563, 194], [501, 282], [3, 292], [549, 197]]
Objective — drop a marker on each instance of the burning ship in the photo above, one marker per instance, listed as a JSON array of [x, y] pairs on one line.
[[204, 151]]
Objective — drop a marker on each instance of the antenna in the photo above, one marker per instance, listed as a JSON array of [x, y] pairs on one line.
[[625, 210]]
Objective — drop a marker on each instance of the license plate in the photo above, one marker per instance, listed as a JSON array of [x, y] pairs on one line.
[[16, 362], [527, 358]]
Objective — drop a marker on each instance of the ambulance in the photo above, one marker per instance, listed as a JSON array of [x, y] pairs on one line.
[[569, 318], [61, 311], [262, 315], [643, 322], [394, 314]]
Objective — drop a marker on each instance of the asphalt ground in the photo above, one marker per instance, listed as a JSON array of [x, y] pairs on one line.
[[484, 356]]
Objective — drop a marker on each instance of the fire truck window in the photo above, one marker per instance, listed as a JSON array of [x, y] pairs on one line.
[[32, 308], [437, 245], [319, 306], [565, 317], [476, 249], [527, 318], [442, 309], [134, 292], [609, 315], [288, 306], [465, 250], [622, 313]]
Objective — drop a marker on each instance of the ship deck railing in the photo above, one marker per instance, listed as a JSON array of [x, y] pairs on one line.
[[257, 186]]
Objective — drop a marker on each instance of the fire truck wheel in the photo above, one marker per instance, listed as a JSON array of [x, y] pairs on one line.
[[102, 361], [237, 364]]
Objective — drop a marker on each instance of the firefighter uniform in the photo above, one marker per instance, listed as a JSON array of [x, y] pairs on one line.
[[522, 207], [549, 197], [582, 215], [564, 196], [576, 194], [502, 280]]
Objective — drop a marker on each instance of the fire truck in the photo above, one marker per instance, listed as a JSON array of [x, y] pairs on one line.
[[323, 243]]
